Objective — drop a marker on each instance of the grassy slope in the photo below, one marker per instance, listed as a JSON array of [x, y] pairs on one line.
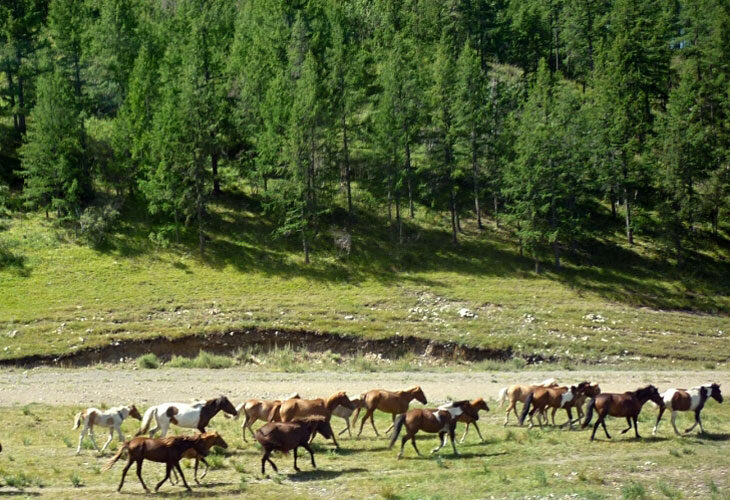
[[513, 463], [57, 295]]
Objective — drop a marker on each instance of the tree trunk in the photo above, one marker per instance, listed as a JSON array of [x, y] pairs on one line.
[[629, 230], [452, 205], [177, 227], [305, 245], [390, 205], [408, 178], [476, 181], [613, 203], [537, 264], [399, 221], [496, 209], [214, 167], [21, 98], [346, 152]]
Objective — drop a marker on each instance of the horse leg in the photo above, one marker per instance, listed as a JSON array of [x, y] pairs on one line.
[[391, 425], [296, 449], [697, 421], [413, 442], [139, 474], [595, 427], [263, 462], [442, 437], [168, 468], [510, 407], [346, 429], [182, 476], [628, 420], [93, 438], [124, 473], [674, 424], [603, 423], [81, 438], [570, 418], [636, 425], [478, 432], [552, 415], [658, 418], [372, 422], [465, 431], [368, 414], [311, 454], [205, 472], [173, 478], [244, 425], [452, 431], [111, 436]]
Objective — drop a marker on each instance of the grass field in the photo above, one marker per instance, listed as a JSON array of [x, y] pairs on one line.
[[38, 460], [611, 303]]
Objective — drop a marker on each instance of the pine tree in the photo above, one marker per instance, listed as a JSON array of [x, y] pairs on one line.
[[52, 152], [67, 24]]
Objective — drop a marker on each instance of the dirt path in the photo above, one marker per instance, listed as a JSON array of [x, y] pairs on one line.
[[114, 385]]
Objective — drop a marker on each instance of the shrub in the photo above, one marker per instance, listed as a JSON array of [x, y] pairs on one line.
[[75, 479], [202, 360], [148, 360], [633, 491], [95, 224]]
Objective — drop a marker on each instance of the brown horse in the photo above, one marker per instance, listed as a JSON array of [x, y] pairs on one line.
[[477, 404], [167, 450], [518, 393], [210, 439], [259, 409], [394, 403], [692, 400], [303, 408], [543, 397], [587, 390], [441, 420], [286, 436], [626, 405]]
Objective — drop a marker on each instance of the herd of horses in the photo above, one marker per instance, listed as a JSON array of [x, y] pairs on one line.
[[293, 422]]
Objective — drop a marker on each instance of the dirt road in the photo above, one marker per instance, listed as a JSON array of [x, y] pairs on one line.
[[115, 385]]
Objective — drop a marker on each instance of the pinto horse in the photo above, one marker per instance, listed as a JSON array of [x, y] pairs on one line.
[[286, 436], [394, 403], [111, 418], [302, 408], [519, 393], [627, 405], [441, 420], [477, 404], [692, 400], [586, 390], [166, 450], [194, 416]]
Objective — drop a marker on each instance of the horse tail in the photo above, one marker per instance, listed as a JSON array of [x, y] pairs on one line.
[[503, 396], [116, 457], [77, 421], [589, 412], [528, 402], [147, 420], [397, 426]]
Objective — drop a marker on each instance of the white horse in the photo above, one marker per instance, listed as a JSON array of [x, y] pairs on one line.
[[111, 418], [692, 400], [345, 413], [195, 416]]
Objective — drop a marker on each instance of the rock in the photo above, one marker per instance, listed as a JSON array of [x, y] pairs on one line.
[[349, 317], [466, 313]]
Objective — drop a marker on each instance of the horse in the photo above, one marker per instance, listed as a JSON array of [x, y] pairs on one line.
[[394, 403], [302, 408], [627, 405], [210, 439], [477, 404], [111, 418], [194, 416], [543, 397], [167, 450], [345, 413], [286, 436], [518, 393], [588, 390], [692, 400], [441, 420], [259, 409]]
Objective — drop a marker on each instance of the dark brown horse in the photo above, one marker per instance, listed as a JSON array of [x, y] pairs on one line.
[[210, 439], [167, 450], [296, 408], [287, 436], [626, 405], [441, 420], [394, 403]]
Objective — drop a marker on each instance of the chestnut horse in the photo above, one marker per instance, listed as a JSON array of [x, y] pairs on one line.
[[259, 409], [477, 404], [111, 418], [518, 393], [441, 420], [626, 405], [210, 439], [394, 403], [286, 436], [692, 400], [303, 408], [167, 450], [543, 397]]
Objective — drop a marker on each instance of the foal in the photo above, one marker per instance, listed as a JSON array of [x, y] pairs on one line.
[[166, 450], [692, 400], [477, 404], [627, 405], [441, 420], [394, 403], [287, 436], [210, 439], [194, 416], [111, 418], [345, 413]]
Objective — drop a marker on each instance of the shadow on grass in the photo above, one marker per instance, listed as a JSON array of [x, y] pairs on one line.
[[321, 475], [709, 436], [13, 262]]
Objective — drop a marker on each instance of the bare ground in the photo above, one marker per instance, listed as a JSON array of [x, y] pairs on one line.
[[114, 385]]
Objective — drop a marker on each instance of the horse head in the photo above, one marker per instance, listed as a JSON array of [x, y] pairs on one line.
[[340, 399], [324, 428], [223, 403], [215, 439], [650, 393], [715, 392], [480, 404], [134, 412], [418, 394]]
